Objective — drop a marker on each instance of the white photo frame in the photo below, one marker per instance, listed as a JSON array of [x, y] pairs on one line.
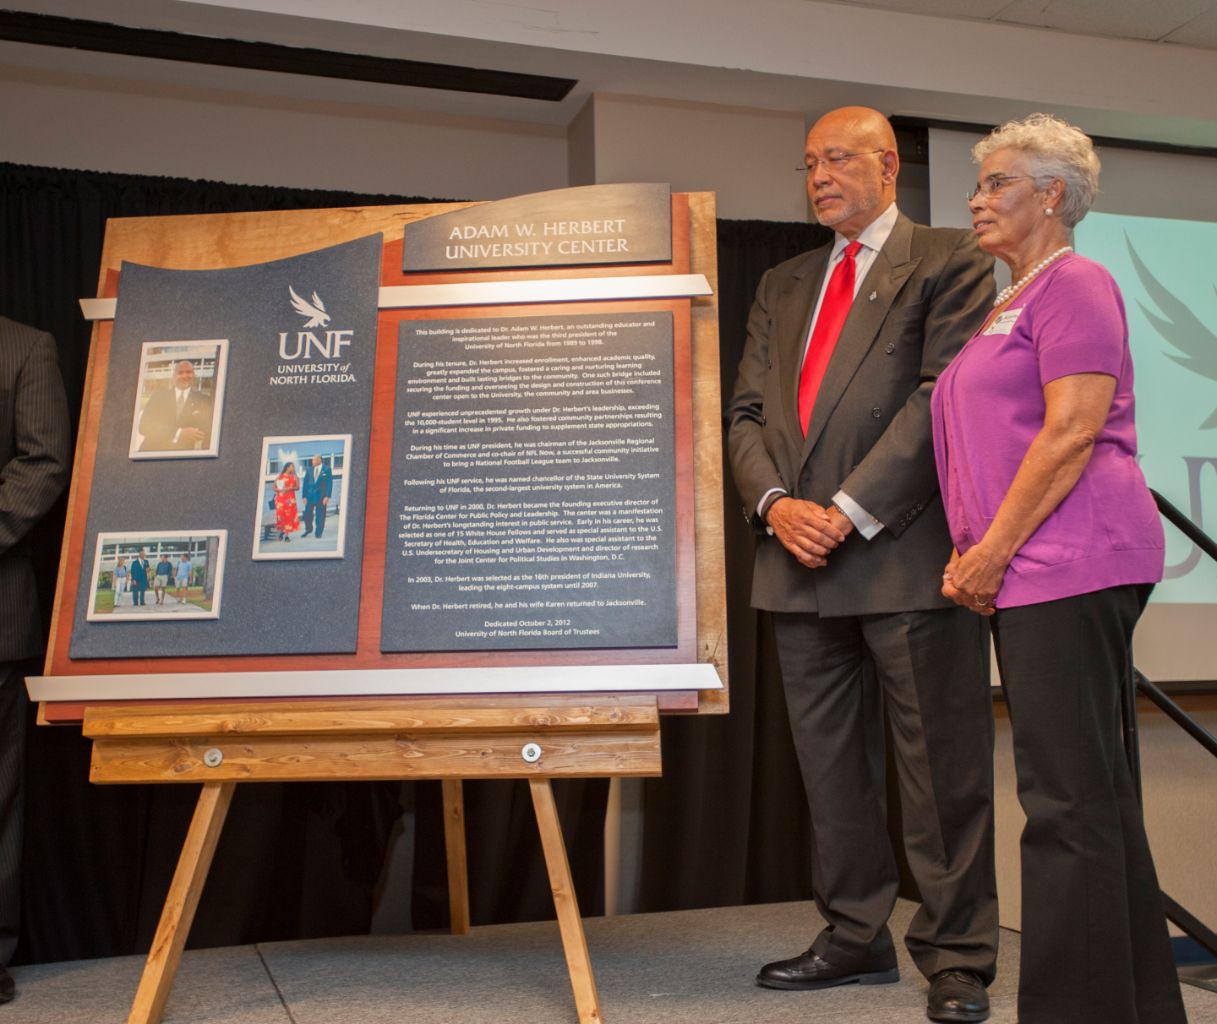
[[162, 428], [200, 599], [280, 536]]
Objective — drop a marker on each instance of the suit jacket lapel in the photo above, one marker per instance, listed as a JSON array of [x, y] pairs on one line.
[[792, 313], [887, 275]]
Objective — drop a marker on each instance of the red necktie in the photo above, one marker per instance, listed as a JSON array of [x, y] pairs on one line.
[[838, 297]]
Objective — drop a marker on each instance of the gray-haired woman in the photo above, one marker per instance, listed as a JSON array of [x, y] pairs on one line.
[[1058, 541]]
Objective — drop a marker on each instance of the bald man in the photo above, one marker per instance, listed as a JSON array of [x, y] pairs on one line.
[[831, 452], [176, 418]]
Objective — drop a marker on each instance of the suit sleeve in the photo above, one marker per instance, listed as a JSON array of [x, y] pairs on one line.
[[34, 477], [898, 478], [752, 466]]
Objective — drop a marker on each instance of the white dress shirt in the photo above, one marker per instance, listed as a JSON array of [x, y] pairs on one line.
[[873, 237]]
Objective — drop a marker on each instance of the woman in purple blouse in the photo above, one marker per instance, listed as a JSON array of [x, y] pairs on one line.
[[1058, 540]]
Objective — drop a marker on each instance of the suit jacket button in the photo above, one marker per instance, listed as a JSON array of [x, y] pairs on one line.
[[876, 412], [891, 347]]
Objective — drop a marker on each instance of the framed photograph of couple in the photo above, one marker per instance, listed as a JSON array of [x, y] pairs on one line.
[[302, 507], [178, 400], [157, 574]]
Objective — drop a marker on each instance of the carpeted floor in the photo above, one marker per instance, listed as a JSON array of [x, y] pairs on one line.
[[694, 967]]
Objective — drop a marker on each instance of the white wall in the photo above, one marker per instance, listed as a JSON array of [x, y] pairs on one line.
[[748, 157], [87, 122], [972, 64], [93, 123], [1141, 183]]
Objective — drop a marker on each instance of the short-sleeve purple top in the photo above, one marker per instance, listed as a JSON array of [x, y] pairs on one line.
[[988, 406]]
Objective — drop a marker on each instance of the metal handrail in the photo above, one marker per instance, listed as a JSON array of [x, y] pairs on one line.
[[1185, 721], [1136, 683], [1185, 526]]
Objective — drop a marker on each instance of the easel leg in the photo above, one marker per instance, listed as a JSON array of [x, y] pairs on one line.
[[181, 903], [458, 867], [574, 942]]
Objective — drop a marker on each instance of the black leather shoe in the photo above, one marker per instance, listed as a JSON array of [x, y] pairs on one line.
[[810, 971], [7, 988], [957, 995]]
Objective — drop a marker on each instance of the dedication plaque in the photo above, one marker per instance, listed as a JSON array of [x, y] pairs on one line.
[[533, 497]]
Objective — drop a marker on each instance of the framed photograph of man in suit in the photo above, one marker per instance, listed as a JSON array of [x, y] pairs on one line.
[[179, 399], [302, 506], [157, 574]]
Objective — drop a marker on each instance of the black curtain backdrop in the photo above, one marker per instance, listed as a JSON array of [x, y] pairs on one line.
[[725, 825]]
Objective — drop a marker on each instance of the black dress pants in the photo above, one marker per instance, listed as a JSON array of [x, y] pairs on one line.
[[929, 671], [1095, 948]]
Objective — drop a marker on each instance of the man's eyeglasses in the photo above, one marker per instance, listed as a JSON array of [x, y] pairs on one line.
[[834, 163], [994, 183]]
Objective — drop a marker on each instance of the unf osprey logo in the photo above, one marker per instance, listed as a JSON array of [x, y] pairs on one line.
[[305, 344], [314, 311], [1179, 327]]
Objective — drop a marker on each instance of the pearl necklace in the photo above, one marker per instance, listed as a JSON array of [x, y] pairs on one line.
[[1010, 291]]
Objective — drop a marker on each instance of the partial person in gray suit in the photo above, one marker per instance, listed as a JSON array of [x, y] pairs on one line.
[[35, 438], [831, 452]]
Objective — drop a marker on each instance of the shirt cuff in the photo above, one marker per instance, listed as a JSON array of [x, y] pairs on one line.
[[762, 506], [863, 521]]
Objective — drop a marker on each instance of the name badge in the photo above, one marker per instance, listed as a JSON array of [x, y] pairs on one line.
[[1004, 322]]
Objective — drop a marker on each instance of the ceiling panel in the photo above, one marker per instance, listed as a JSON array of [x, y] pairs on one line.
[[1123, 19], [1200, 32], [974, 9]]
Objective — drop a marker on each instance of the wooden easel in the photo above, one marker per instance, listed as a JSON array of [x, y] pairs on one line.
[[221, 745]]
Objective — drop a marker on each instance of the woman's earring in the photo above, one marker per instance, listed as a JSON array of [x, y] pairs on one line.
[[1048, 211]]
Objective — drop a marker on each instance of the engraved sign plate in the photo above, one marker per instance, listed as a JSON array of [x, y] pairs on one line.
[[566, 227]]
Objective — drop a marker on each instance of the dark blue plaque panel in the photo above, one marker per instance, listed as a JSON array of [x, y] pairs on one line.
[[300, 353], [533, 495]]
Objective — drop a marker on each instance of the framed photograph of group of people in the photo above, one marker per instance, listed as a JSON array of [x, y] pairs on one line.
[[157, 575]]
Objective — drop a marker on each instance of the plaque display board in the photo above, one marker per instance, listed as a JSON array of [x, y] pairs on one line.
[[508, 485]]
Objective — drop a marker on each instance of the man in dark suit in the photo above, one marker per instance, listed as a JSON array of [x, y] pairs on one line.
[[316, 488], [831, 452], [176, 418], [34, 440], [141, 579]]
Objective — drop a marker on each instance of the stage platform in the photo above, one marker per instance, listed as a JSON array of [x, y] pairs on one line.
[[692, 967]]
